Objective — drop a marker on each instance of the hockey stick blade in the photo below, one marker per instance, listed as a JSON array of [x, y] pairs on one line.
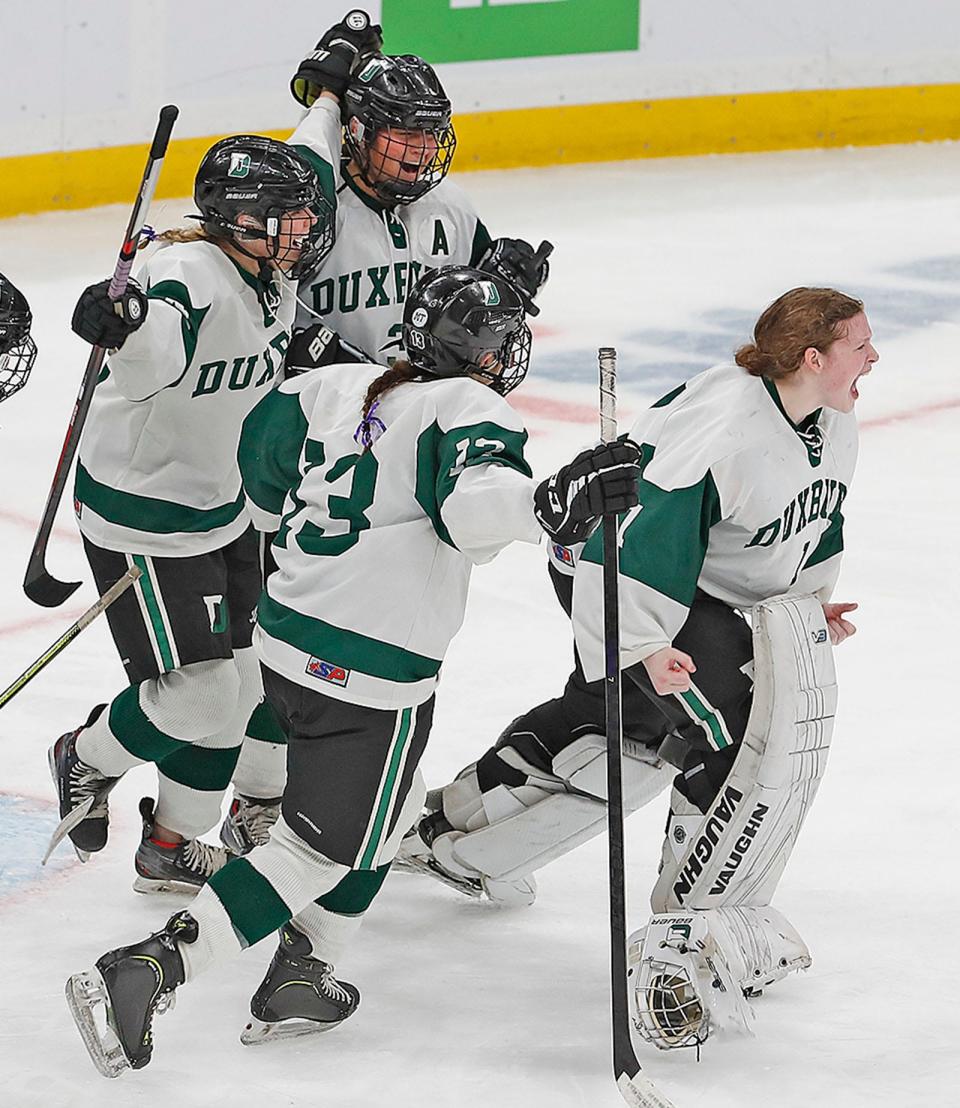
[[65, 826], [45, 590], [640, 1092]]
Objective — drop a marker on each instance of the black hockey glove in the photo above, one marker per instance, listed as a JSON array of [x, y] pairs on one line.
[[515, 261], [318, 346], [104, 322], [337, 56], [597, 482]]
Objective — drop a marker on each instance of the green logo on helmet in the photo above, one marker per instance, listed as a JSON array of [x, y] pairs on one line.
[[371, 69], [490, 293], [239, 165]]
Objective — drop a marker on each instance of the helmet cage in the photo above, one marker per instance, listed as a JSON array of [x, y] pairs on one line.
[[402, 95], [15, 366], [17, 349], [668, 1010]]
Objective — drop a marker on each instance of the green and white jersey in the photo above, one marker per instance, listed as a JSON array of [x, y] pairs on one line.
[[734, 499], [380, 253], [157, 472], [375, 547]]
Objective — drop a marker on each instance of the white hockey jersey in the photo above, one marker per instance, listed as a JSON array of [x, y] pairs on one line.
[[735, 500], [375, 548], [380, 253], [157, 472]]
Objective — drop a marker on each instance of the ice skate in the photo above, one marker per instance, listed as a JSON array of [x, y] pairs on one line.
[[82, 792], [247, 824], [173, 867], [133, 984], [299, 995], [428, 848], [415, 855]]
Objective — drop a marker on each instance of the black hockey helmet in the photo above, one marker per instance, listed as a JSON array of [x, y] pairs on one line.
[[405, 94], [258, 176], [17, 349], [459, 321]]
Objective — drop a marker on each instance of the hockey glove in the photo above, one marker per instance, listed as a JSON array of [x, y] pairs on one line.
[[515, 261], [337, 56], [104, 322], [598, 482], [318, 346]]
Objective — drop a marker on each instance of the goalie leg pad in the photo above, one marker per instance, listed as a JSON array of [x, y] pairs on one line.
[[509, 831], [691, 972], [736, 853]]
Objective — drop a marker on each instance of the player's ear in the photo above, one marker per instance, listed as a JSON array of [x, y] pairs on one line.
[[812, 359]]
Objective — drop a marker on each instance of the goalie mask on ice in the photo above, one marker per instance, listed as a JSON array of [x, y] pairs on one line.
[[690, 973], [736, 853]]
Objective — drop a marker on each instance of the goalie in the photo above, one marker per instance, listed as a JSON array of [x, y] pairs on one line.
[[745, 471]]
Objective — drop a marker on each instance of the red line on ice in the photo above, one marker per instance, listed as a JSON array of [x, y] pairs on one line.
[[31, 524]]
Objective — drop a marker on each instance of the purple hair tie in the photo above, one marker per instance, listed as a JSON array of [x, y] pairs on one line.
[[148, 232], [371, 427]]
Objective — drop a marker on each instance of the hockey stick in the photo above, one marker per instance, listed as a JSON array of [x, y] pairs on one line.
[[38, 584], [635, 1087], [70, 634]]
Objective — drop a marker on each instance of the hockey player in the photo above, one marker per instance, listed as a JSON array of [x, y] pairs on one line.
[[379, 127], [378, 131], [745, 472], [390, 485], [194, 346], [17, 349]]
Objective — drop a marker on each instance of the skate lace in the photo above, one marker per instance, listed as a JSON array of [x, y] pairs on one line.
[[86, 781], [202, 858], [332, 987], [256, 820]]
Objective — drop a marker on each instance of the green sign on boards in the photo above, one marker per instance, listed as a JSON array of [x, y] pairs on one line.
[[476, 30]]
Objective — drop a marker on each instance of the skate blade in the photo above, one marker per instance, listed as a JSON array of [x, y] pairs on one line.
[[66, 825], [84, 992], [257, 1032], [154, 885], [427, 867]]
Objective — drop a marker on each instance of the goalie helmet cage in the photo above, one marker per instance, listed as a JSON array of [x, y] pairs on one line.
[[39, 585], [635, 1087]]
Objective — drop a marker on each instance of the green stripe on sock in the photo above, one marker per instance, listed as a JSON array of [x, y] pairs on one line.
[[386, 797], [135, 733], [200, 768], [356, 891], [254, 906], [703, 713], [265, 726], [153, 610]]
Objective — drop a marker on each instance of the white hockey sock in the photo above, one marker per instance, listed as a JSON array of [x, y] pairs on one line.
[[261, 769], [329, 932], [97, 746], [216, 938]]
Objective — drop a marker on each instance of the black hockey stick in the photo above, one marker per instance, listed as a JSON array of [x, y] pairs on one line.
[[70, 634], [38, 584], [635, 1087]]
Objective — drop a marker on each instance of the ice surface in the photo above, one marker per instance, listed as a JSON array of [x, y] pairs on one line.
[[465, 1005]]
